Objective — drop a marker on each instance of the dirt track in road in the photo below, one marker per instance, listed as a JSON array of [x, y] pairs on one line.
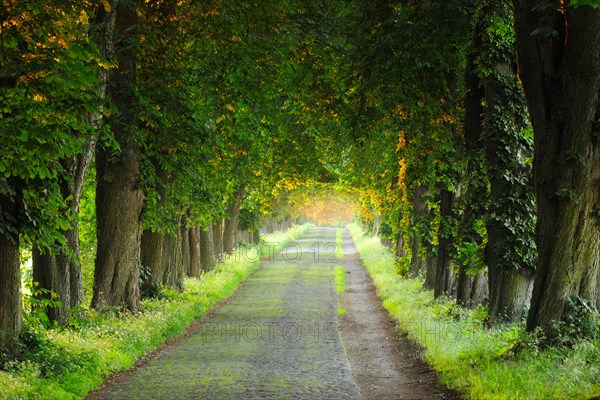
[[280, 338], [384, 365]]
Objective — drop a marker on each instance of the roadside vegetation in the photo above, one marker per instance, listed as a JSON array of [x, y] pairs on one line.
[[69, 362], [501, 362], [339, 243]]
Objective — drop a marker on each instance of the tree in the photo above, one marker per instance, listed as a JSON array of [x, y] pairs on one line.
[[10, 294], [558, 48], [119, 197], [48, 89], [510, 219], [57, 269]]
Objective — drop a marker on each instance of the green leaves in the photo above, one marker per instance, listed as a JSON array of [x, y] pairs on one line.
[[45, 112], [581, 3]]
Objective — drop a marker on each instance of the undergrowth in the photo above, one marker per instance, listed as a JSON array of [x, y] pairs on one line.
[[67, 363], [502, 362]]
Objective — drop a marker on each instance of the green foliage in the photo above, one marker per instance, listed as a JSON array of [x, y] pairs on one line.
[[582, 320], [36, 301], [87, 233], [581, 3], [501, 362], [470, 255], [402, 266], [48, 71]]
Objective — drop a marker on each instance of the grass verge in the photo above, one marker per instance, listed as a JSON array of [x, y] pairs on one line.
[[503, 362], [340, 284], [68, 363], [339, 243]]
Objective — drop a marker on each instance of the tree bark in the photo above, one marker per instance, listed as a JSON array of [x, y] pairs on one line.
[[561, 78], [509, 292], [11, 307], [186, 251], [194, 252], [119, 198], [442, 272], [399, 246], [207, 254], [430, 265], [231, 224], [174, 271], [152, 261], [60, 272], [11, 311], [217, 240], [51, 272], [420, 210], [471, 289]]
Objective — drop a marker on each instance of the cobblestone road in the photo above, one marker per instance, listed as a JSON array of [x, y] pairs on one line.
[[278, 338]]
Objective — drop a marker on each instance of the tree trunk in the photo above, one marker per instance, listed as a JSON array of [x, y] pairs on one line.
[[119, 198], [153, 243], [430, 266], [387, 242], [194, 252], [400, 246], [207, 252], [51, 272], [471, 290], [60, 272], [509, 292], [231, 223], [442, 269], [420, 210], [174, 272], [11, 307], [186, 251], [510, 249], [75, 273], [11, 312], [217, 231], [475, 196], [445, 283], [152, 261], [561, 78]]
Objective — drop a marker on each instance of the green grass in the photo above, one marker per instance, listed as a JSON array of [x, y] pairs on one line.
[[339, 243], [69, 363], [340, 278], [481, 363], [340, 284]]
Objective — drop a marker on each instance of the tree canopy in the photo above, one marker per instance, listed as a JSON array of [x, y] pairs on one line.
[[202, 119]]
